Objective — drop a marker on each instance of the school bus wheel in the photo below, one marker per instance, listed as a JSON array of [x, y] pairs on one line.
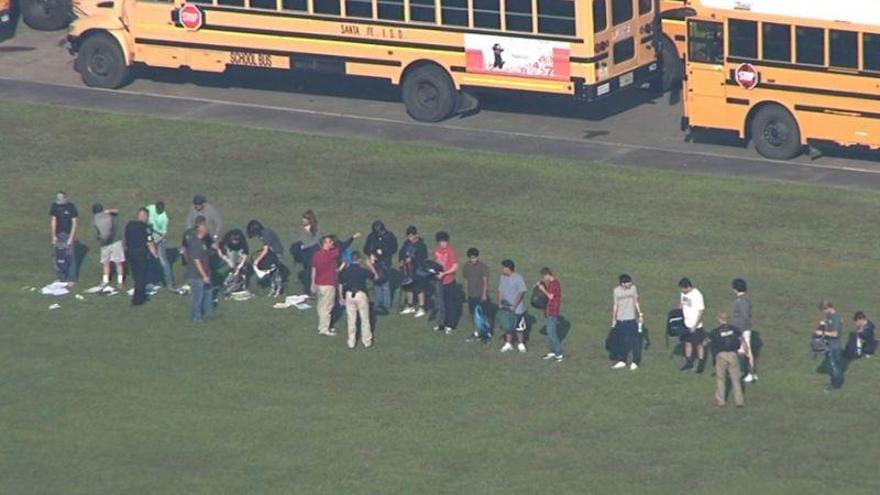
[[46, 15], [775, 133], [428, 93], [100, 62]]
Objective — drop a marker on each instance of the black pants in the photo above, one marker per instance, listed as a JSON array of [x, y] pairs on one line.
[[452, 305], [138, 267], [631, 341]]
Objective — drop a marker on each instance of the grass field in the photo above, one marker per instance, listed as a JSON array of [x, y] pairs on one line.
[[102, 398]]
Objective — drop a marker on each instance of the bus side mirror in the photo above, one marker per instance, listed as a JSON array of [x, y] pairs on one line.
[[679, 14]]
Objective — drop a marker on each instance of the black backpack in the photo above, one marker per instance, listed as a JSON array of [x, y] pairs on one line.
[[539, 299]]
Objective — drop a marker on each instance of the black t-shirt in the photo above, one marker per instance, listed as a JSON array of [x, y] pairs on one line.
[[354, 278], [64, 215], [137, 236], [234, 240], [726, 338]]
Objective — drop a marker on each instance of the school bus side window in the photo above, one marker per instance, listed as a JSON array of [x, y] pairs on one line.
[[229, 3], [645, 6], [487, 14], [600, 16], [326, 7], [518, 14], [264, 4], [358, 8], [871, 51], [777, 42], [621, 11], [844, 49], [810, 43], [301, 5], [556, 17], [454, 12], [743, 39], [421, 10], [390, 9], [706, 42]]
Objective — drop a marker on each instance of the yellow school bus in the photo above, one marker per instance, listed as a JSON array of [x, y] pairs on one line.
[[432, 48], [782, 73]]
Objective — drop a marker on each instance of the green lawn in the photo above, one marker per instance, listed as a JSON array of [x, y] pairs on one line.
[[102, 398]]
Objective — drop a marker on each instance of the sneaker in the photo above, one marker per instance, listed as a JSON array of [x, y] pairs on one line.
[[448, 330], [549, 355], [408, 310], [351, 344], [559, 358], [507, 347], [521, 347], [687, 366], [618, 365], [436, 328], [331, 333], [633, 366], [749, 378], [420, 313]]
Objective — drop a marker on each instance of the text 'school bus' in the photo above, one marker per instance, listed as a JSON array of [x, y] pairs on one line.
[[433, 48], [782, 73]]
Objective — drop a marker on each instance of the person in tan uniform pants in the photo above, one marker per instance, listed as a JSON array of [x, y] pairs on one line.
[[726, 340]]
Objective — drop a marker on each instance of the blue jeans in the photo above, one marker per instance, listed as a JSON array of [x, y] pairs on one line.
[[382, 295], [202, 305], [167, 272], [68, 274], [550, 325], [835, 369]]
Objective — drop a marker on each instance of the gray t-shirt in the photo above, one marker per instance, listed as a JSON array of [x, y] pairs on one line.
[[106, 228], [741, 314], [626, 302], [510, 289], [212, 219], [834, 323], [195, 250]]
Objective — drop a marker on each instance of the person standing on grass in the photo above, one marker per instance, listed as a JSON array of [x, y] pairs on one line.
[[741, 318], [727, 340], [159, 225], [268, 258], [831, 330], [626, 317], [353, 295], [201, 208], [476, 277], [380, 247], [412, 256], [106, 226], [139, 248], [551, 288], [309, 243], [324, 280], [511, 302], [693, 307], [63, 224], [447, 258], [197, 271]]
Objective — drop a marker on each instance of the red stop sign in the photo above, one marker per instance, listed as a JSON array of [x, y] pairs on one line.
[[746, 76], [191, 17]]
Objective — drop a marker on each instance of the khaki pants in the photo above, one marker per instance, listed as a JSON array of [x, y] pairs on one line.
[[727, 363], [326, 300], [357, 304]]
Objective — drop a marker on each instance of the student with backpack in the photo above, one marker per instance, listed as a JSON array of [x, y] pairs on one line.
[[551, 288], [831, 330], [380, 248], [447, 258], [413, 256], [626, 321], [512, 306]]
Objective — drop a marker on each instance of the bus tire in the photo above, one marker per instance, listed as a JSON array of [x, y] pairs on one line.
[[429, 94], [670, 64], [100, 62], [46, 15], [776, 133]]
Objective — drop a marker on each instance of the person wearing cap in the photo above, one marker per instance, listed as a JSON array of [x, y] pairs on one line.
[[726, 341], [201, 207], [159, 225], [63, 225], [412, 257], [831, 329], [138, 249], [106, 226]]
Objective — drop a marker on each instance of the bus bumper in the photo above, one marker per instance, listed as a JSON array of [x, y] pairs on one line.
[[632, 79]]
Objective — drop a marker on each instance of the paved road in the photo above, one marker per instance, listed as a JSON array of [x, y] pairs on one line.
[[636, 129]]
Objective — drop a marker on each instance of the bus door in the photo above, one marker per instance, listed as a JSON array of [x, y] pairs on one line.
[[705, 86]]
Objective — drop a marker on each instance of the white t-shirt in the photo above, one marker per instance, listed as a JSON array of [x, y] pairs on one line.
[[692, 305]]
